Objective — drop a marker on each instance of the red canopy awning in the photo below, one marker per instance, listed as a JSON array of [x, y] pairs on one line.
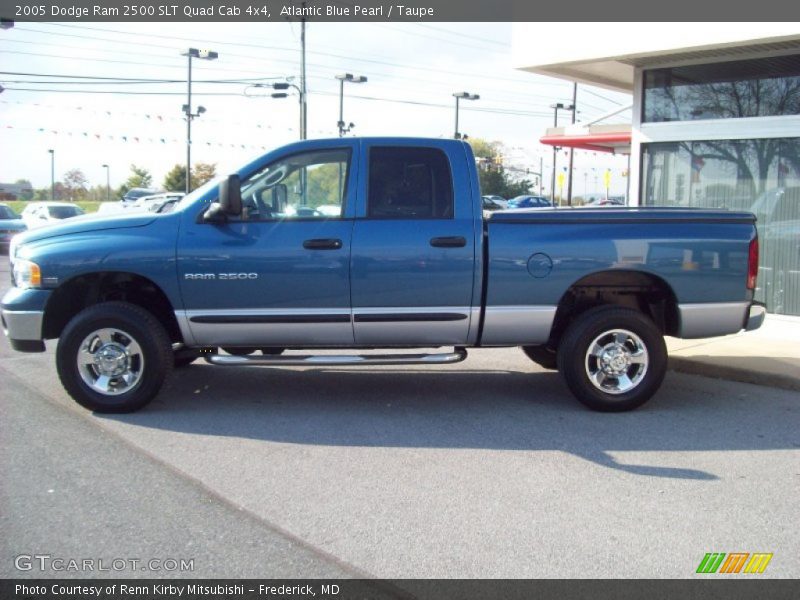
[[596, 139]]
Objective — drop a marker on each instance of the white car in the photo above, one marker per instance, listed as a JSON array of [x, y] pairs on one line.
[[154, 202], [37, 214]]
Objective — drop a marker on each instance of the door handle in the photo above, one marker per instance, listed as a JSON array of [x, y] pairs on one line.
[[455, 241], [323, 244]]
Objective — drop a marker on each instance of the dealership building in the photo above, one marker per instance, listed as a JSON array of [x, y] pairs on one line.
[[715, 121]]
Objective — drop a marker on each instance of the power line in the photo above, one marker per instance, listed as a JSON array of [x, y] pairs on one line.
[[494, 110], [415, 67]]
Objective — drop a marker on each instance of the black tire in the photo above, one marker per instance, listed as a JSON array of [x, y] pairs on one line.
[[147, 365], [628, 363], [543, 356]]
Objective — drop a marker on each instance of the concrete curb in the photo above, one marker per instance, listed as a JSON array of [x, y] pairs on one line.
[[706, 369]]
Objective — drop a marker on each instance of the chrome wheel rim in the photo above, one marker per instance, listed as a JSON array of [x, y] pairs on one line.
[[616, 361], [110, 361]]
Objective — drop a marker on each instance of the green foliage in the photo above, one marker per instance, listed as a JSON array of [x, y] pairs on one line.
[[494, 178], [175, 179], [27, 184], [140, 177]]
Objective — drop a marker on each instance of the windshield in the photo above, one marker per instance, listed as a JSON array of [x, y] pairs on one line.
[[7, 213], [64, 212]]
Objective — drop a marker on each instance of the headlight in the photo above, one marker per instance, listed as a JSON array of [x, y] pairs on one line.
[[27, 274]]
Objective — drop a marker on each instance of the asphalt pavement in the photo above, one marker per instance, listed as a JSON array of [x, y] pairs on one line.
[[488, 469]]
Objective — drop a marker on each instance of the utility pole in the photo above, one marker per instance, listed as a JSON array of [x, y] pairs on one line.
[[556, 108], [303, 105], [52, 174], [541, 174], [572, 150]]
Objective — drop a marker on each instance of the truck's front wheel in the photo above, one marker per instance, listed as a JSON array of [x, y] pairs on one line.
[[613, 359], [113, 357]]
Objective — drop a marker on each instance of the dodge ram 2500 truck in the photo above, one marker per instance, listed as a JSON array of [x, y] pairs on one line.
[[375, 243]]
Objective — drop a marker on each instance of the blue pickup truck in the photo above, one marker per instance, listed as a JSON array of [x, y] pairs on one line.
[[375, 243]]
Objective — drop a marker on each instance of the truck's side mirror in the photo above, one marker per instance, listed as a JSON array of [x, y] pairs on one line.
[[230, 200]]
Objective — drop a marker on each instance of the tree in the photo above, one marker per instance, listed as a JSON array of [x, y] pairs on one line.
[[27, 193], [203, 172], [75, 185], [139, 178], [495, 178], [175, 179]]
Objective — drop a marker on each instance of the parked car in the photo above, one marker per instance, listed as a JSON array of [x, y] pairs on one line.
[[594, 201], [410, 263], [133, 194], [37, 214], [529, 202], [499, 200], [10, 225], [156, 201], [489, 204]]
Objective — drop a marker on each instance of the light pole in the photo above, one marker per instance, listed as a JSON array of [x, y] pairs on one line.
[[459, 96], [108, 182], [342, 77], [187, 108], [52, 174], [556, 107]]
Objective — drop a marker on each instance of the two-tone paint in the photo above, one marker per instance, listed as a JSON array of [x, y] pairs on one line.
[[357, 281]]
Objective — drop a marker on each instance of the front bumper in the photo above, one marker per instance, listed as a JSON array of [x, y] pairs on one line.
[[22, 316], [755, 316]]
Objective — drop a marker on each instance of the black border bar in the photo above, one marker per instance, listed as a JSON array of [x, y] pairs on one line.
[[708, 587], [411, 11]]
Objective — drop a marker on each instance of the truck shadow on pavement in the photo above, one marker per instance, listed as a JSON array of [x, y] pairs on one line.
[[472, 409]]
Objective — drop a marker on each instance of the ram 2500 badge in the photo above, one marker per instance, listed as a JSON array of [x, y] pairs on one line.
[[375, 243]]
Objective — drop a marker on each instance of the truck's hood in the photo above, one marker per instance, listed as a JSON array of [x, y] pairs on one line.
[[84, 224]]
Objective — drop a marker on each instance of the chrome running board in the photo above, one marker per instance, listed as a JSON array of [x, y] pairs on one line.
[[338, 360]]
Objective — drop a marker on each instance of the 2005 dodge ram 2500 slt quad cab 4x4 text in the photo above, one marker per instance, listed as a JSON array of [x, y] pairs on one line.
[[373, 243]]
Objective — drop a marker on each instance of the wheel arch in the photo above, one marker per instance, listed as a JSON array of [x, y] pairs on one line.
[[87, 289], [632, 288]]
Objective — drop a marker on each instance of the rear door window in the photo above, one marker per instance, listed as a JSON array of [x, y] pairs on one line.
[[409, 183]]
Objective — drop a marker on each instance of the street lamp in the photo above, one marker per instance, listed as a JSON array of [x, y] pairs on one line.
[[187, 108], [556, 107], [108, 182], [342, 77], [52, 174], [459, 96]]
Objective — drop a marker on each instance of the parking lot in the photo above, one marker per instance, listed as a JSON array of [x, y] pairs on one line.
[[488, 469]]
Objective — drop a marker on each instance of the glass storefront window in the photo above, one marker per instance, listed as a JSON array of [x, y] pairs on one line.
[[747, 88], [758, 175]]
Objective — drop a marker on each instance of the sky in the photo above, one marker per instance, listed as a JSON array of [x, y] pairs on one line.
[[412, 70]]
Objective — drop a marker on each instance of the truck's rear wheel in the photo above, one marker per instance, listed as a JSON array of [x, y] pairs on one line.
[[113, 357], [613, 359]]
